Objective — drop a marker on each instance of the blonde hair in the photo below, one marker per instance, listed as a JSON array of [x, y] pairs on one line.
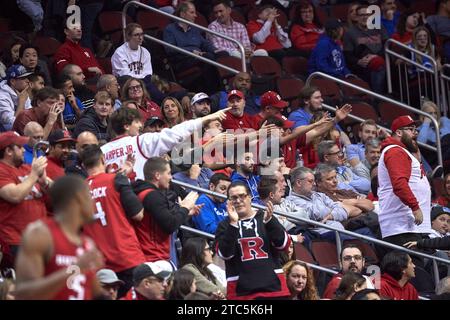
[[180, 118], [427, 103]]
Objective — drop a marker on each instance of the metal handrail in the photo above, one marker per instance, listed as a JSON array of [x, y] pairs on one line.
[[383, 98], [171, 16], [318, 224], [444, 78], [389, 52], [313, 266]]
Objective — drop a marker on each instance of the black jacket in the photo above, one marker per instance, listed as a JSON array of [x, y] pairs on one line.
[[89, 121], [435, 243]]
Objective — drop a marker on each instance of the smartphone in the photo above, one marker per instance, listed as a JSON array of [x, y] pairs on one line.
[[40, 145]]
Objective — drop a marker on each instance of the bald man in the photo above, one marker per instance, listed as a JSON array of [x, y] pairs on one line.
[[84, 139], [35, 132]]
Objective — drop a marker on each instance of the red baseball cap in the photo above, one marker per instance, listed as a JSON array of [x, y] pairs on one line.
[[287, 124], [10, 137], [236, 93], [273, 99], [402, 121]]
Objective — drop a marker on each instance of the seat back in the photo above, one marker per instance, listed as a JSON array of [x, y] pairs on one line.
[[302, 253], [325, 253]]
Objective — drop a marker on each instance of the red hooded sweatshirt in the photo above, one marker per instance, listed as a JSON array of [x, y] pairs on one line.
[[398, 164], [390, 288]]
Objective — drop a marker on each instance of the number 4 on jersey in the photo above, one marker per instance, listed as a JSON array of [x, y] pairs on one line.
[[100, 214]]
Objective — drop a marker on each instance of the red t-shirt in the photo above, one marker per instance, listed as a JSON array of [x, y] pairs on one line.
[[15, 217], [112, 232], [245, 122], [65, 254], [54, 168], [291, 149]]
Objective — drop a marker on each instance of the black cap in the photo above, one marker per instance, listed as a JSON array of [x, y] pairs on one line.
[[437, 211], [58, 136], [333, 23], [152, 120], [149, 269]]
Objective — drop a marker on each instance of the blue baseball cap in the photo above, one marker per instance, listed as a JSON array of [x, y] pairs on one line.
[[17, 71]]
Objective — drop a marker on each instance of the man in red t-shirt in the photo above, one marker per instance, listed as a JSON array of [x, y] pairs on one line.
[[236, 117], [55, 260], [271, 105], [22, 189], [61, 143], [115, 201]]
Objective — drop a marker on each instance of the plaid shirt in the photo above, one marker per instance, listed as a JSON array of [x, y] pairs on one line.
[[236, 31]]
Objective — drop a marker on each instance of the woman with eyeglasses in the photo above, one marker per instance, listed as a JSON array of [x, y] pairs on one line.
[[134, 89], [306, 28], [196, 256], [131, 58]]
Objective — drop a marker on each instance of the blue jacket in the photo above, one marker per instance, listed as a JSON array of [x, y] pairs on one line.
[[210, 215], [328, 57], [69, 114], [252, 183]]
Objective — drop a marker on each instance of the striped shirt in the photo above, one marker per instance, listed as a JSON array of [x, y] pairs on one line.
[[235, 30]]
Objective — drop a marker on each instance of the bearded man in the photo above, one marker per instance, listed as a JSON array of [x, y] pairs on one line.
[[404, 192]]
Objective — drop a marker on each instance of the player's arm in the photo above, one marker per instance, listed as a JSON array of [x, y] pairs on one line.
[[130, 202], [30, 264]]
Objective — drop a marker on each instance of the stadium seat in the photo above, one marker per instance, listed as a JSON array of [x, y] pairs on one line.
[[295, 66], [329, 89], [368, 252], [150, 20], [423, 281], [438, 186], [325, 253], [231, 62], [47, 46], [339, 11], [389, 111], [364, 110], [201, 20], [238, 17], [111, 21], [289, 89], [303, 254], [354, 94], [106, 64], [265, 66]]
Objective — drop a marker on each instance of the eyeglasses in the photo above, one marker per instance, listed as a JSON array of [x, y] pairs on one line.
[[338, 153], [241, 197], [135, 88], [350, 258], [413, 129], [138, 35]]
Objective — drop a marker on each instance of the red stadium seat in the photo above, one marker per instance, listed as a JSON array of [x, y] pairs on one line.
[[265, 66], [201, 20], [289, 89], [329, 89], [231, 62], [364, 110], [295, 66], [150, 20], [389, 111], [303, 254], [111, 21], [353, 94], [339, 11], [368, 252], [325, 253], [47, 45]]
